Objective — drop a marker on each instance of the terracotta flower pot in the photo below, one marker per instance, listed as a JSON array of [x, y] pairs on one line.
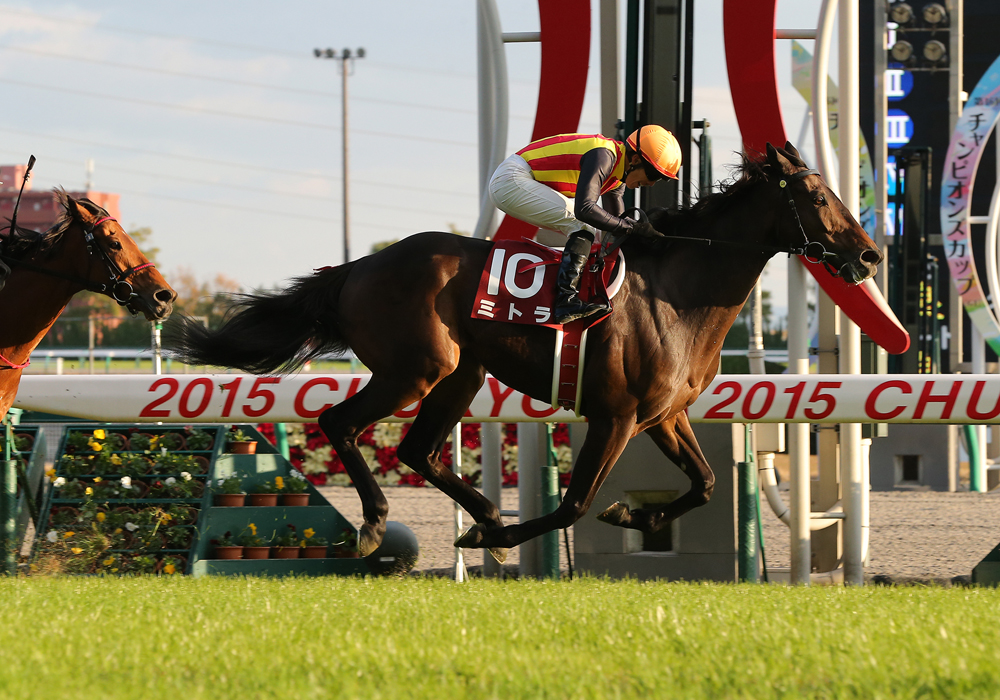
[[295, 499], [345, 553], [26, 441], [202, 464], [172, 441], [228, 552], [263, 499], [241, 448], [256, 552], [229, 500], [285, 552], [122, 440], [313, 551]]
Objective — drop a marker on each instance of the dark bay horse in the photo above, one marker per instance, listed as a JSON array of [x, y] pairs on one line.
[[406, 313], [85, 249]]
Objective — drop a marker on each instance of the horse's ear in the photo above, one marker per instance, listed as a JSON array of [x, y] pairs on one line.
[[778, 160], [791, 150]]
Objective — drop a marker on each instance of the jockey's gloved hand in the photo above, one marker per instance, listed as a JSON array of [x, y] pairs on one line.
[[645, 230]]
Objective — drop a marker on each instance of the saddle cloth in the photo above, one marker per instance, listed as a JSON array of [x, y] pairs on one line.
[[518, 285]]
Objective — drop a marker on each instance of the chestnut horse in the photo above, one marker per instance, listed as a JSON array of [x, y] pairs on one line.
[[407, 314], [85, 249]]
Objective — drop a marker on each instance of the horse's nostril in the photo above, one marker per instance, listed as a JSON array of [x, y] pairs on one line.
[[871, 256], [164, 295]]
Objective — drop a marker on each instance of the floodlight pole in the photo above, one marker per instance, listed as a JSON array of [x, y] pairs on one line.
[[343, 57]]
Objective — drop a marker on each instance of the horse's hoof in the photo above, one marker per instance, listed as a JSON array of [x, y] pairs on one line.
[[499, 553], [369, 539], [616, 514], [473, 537]]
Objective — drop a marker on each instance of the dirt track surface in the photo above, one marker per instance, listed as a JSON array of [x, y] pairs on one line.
[[915, 536]]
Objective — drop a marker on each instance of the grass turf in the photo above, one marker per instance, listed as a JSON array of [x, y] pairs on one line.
[[430, 638]]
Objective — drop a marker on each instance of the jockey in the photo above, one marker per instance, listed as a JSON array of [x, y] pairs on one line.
[[554, 183]]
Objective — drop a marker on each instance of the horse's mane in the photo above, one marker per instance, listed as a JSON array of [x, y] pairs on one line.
[[25, 241], [687, 222]]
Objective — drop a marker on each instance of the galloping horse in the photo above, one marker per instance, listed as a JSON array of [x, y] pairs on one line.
[[85, 249], [407, 314]]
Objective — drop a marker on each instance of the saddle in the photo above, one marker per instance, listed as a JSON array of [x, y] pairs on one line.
[[518, 286]]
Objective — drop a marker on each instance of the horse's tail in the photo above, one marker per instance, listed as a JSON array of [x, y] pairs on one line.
[[269, 332]]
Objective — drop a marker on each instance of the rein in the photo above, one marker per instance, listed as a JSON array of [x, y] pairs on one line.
[[813, 251]]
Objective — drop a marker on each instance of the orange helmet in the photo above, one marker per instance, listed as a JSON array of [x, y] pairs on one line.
[[659, 147]]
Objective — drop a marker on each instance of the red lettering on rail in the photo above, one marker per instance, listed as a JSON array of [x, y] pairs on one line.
[[927, 397], [873, 412], [498, 396], [299, 405], [529, 410], [973, 410]]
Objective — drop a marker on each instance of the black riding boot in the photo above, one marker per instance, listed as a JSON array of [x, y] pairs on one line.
[[569, 306], [4, 272]]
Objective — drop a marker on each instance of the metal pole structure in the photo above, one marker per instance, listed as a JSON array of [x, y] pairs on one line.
[[8, 505], [631, 78], [798, 433], [550, 502], [156, 327], [956, 312], [493, 106], [976, 434], [281, 440], [91, 332], [880, 147], [850, 334], [492, 444], [610, 31], [747, 565], [344, 145], [530, 458], [456, 466], [344, 57]]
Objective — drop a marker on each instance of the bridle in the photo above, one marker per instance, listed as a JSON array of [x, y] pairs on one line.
[[117, 286], [812, 251]]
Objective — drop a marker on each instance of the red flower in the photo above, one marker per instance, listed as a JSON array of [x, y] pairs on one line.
[[411, 479]]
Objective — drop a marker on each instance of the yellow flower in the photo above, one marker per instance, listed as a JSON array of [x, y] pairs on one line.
[[69, 534], [101, 517], [89, 491], [109, 561], [114, 570], [169, 568], [51, 473], [100, 434], [95, 446], [98, 479], [302, 543], [153, 441], [76, 550], [308, 532], [253, 528], [115, 459], [279, 482], [118, 531]]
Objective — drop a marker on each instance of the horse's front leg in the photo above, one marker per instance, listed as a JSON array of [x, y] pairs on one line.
[[676, 440], [606, 439]]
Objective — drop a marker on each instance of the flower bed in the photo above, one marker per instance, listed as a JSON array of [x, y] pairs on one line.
[[311, 452]]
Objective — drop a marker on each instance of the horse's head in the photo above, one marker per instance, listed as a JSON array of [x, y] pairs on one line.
[[114, 261], [810, 213]]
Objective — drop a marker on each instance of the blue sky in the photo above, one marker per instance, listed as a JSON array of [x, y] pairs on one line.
[[221, 130]]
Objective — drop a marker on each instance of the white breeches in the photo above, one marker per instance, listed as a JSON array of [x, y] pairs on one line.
[[514, 190]]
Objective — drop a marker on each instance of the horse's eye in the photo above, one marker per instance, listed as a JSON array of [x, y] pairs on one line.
[[819, 200], [114, 245]]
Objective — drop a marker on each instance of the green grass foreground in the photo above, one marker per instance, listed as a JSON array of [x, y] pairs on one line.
[[430, 638]]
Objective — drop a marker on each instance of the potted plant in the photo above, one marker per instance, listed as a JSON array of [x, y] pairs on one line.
[[144, 564], [23, 442], [171, 564], [198, 439], [183, 486], [131, 464], [142, 441], [228, 491], [293, 489], [172, 441], [178, 537], [286, 545], [77, 441], [313, 546], [238, 442], [227, 548], [264, 494], [254, 546], [348, 544]]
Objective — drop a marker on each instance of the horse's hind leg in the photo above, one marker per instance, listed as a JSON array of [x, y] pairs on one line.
[[676, 440], [343, 424], [421, 449]]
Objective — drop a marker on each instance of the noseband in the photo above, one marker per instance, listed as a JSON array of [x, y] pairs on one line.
[[120, 290]]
